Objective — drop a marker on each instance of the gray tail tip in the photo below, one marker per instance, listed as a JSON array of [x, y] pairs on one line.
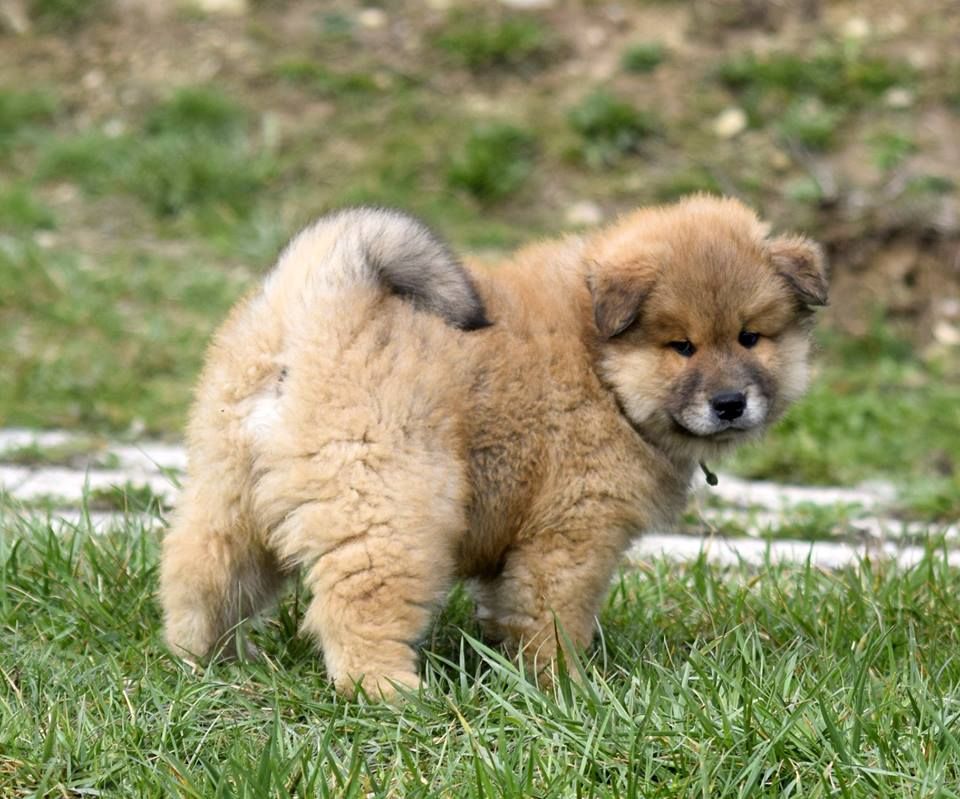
[[475, 320], [415, 263]]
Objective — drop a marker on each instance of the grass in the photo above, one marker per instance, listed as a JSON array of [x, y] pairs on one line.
[[609, 127], [643, 57], [191, 156], [784, 681], [22, 212], [323, 81], [66, 15], [810, 124], [494, 162], [172, 176], [802, 522], [80, 452], [820, 89], [935, 499], [23, 111], [60, 313], [197, 112], [834, 73], [483, 42], [889, 149]]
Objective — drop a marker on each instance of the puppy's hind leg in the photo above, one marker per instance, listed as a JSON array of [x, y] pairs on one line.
[[379, 565], [214, 573]]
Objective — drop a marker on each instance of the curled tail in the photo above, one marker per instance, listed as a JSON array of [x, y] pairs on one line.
[[389, 249]]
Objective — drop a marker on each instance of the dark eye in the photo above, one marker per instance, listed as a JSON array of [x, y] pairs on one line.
[[748, 339], [685, 348]]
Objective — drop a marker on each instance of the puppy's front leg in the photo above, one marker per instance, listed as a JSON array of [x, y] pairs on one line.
[[554, 582]]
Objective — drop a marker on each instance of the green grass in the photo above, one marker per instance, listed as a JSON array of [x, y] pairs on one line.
[[91, 160], [784, 681], [643, 57], [482, 42], [77, 452], [609, 127], [934, 499], [197, 111], [22, 212], [820, 88], [494, 162], [191, 157], [321, 80], [803, 522], [23, 111], [173, 175], [810, 124], [103, 344], [66, 15], [889, 149], [836, 74]]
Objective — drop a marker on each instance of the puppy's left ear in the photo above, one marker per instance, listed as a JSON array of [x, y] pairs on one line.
[[801, 263]]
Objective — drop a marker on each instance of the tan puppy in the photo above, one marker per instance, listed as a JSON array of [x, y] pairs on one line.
[[389, 422]]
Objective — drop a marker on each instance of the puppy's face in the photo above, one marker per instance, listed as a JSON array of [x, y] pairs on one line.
[[703, 321]]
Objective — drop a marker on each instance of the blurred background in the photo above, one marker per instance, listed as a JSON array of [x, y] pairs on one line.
[[156, 154]]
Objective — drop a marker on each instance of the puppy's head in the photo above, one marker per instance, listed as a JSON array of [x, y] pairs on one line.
[[703, 321]]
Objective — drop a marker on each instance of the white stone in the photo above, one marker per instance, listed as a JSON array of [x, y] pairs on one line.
[[756, 507], [920, 58], [69, 485], [950, 308], [776, 496], [527, 5], [18, 438], [372, 18], [898, 97], [94, 79], [857, 28], [735, 551], [730, 122], [583, 214], [220, 6], [945, 333], [114, 128]]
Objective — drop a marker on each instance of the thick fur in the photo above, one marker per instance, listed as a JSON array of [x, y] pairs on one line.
[[361, 246], [344, 430]]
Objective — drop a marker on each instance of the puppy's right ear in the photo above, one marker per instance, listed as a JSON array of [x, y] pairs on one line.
[[618, 297]]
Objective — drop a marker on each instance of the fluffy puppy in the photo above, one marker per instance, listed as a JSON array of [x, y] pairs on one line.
[[388, 421]]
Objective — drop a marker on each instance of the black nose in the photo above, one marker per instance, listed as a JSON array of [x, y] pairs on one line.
[[729, 405]]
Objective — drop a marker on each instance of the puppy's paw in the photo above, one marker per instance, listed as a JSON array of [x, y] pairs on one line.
[[188, 640], [378, 687]]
